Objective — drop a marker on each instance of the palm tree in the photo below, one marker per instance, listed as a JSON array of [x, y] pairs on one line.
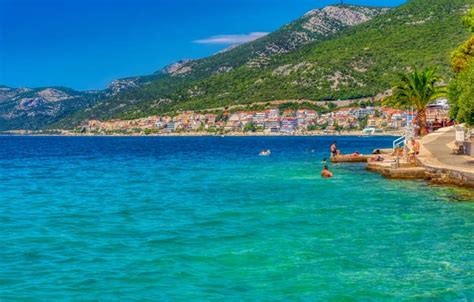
[[417, 89]]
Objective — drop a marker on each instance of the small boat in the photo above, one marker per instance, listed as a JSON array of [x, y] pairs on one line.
[[371, 130], [265, 153]]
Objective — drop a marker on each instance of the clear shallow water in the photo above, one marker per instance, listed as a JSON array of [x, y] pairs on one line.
[[146, 219]]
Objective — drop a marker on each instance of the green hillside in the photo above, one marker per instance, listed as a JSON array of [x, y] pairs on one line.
[[153, 93], [338, 52], [361, 61]]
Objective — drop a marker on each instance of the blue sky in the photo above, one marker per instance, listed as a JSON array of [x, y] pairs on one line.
[[85, 44]]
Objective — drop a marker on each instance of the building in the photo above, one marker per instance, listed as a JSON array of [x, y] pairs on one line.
[[363, 112], [288, 125], [273, 113], [259, 119], [272, 125], [171, 126], [438, 110]]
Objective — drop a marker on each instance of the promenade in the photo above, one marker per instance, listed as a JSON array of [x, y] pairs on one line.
[[435, 162], [441, 165]]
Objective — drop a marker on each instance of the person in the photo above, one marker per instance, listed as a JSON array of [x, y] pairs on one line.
[[355, 154], [377, 158], [416, 146], [444, 122], [326, 173], [398, 152], [324, 161], [334, 151], [377, 151], [413, 149]]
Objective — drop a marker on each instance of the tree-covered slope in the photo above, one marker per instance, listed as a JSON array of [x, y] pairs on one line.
[[152, 93], [333, 53], [360, 61]]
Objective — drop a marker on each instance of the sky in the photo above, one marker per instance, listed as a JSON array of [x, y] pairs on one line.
[[85, 44]]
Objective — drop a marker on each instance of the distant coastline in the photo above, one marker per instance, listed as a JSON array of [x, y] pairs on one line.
[[67, 133]]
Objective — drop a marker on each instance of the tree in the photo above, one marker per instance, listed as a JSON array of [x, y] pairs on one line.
[[331, 106], [250, 127], [417, 89], [461, 56], [461, 88], [461, 96], [363, 121]]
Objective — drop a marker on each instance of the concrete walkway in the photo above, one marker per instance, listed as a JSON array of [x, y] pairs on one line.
[[436, 156], [435, 150]]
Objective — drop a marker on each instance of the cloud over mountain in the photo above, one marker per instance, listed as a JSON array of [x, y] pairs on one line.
[[232, 39]]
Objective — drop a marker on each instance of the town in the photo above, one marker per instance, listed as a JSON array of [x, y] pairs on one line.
[[279, 120]]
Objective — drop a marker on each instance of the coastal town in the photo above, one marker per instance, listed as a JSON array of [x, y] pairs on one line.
[[277, 120]]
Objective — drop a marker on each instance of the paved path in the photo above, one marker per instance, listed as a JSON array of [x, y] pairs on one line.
[[436, 152]]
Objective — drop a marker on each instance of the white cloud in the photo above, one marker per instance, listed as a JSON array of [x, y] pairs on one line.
[[232, 39]]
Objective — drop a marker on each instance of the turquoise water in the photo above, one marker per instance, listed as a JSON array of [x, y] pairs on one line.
[[186, 219]]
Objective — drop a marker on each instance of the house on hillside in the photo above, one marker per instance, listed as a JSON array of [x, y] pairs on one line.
[[272, 125], [288, 125], [273, 113], [171, 126], [363, 112], [259, 119]]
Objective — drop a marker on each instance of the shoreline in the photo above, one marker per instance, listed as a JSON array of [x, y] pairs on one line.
[[200, 134], [435, 163]]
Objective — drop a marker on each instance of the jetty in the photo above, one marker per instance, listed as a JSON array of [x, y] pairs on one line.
[[394, 170], [350, 158]]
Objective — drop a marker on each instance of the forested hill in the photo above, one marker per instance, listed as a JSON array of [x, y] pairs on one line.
[[152, 93], [358, 61], [337, 52]]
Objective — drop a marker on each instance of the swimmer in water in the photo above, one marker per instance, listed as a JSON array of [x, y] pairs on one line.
[[326, 173]]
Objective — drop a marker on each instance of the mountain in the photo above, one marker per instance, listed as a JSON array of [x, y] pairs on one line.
[[315, 26], [346, 59], [336, 52], [361, 61], [27, 108]]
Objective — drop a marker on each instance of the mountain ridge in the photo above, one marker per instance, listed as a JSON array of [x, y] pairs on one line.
[[253, 55], [317, 24], [353, 60]]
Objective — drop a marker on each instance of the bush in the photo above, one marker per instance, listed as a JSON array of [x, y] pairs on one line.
[[461, 96]]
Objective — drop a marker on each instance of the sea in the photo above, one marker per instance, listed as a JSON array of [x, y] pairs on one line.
[[208, 219]]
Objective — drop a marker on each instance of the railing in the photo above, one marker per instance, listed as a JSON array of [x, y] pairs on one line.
[[402, 141], [398, 142]]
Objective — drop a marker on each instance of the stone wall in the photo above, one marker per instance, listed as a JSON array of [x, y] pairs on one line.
[[449, 177]]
